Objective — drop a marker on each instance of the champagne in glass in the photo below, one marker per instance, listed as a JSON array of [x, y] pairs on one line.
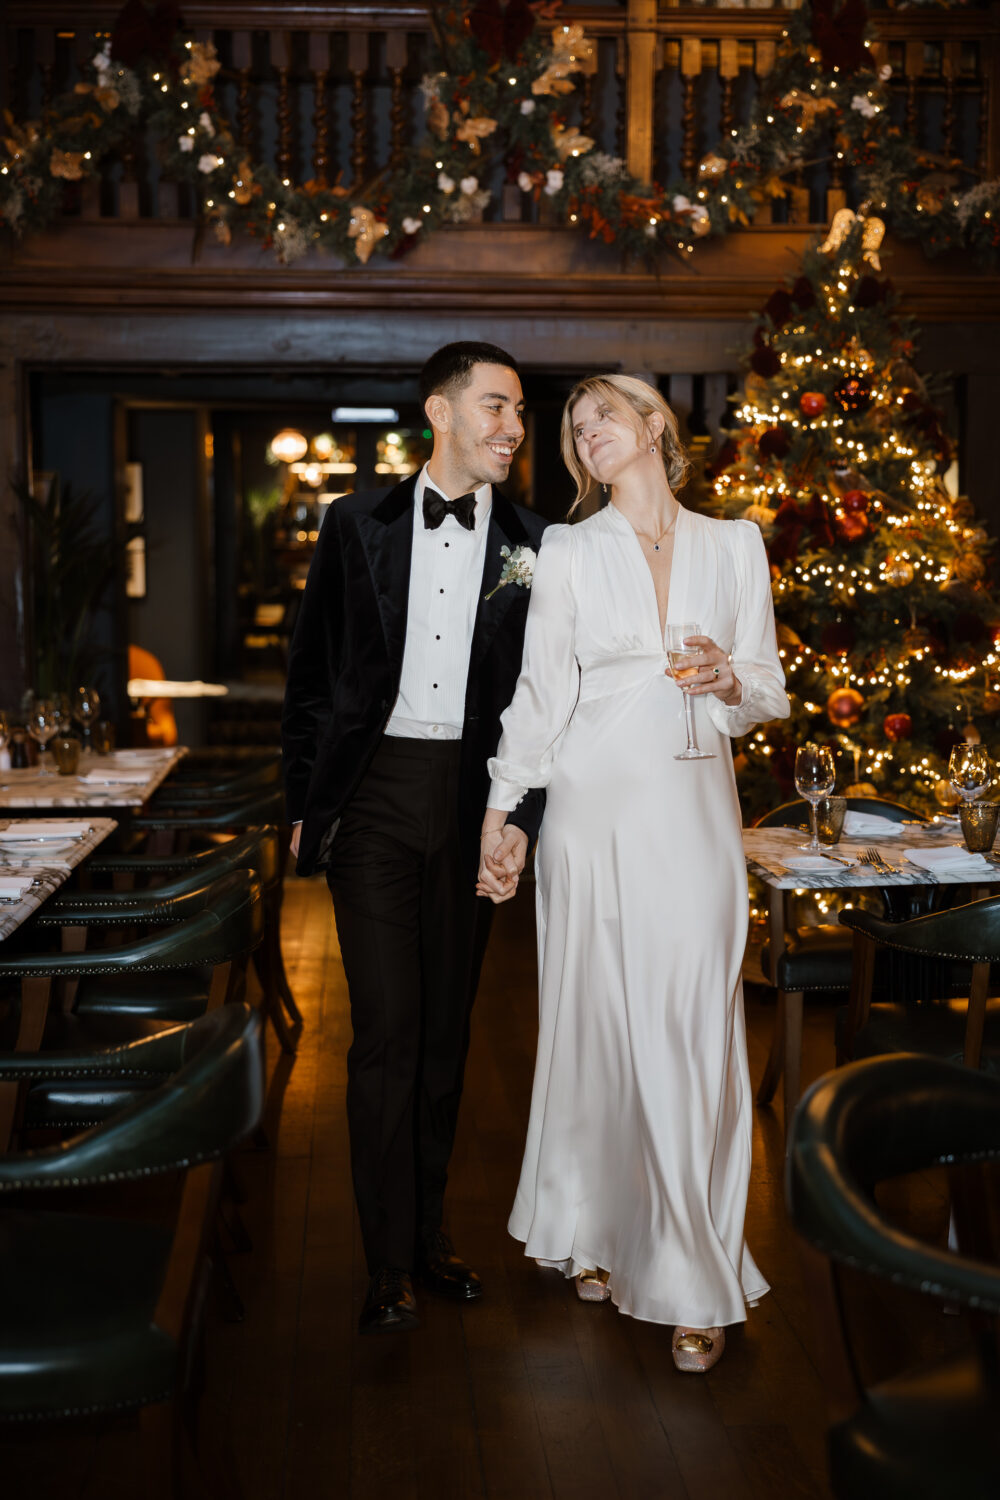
[[970, 771], [683, 664], [42, 724], [815, 779]]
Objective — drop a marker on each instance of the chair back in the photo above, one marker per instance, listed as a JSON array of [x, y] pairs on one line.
[[968, 933], [789, 814], [212, 1103]]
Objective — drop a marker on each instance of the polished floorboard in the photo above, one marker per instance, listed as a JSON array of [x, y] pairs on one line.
[[528, 1393]]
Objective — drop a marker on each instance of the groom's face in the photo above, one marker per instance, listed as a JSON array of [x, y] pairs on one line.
[[484, 424]]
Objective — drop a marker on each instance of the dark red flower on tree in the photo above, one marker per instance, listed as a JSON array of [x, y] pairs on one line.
[[802, 293], [774, 443], [778, 307], [765, 362]]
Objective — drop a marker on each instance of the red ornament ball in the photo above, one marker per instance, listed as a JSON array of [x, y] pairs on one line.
[[774, 443], [851, 528], [897, 727], [844, 707], [812, 404], [854, 501], [853, 394]]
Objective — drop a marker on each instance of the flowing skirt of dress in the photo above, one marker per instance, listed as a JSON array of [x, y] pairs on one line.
[[638, 1149]]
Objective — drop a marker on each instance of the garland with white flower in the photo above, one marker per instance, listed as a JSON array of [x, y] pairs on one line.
[[504, 93]]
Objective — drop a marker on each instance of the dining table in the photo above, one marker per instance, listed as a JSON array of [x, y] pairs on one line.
[[122, 779], [905, 862], [37, 856]]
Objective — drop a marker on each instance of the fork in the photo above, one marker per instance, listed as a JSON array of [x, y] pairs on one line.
[[873, 857]]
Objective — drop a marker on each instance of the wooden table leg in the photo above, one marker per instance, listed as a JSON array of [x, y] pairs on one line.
[[35, 994]]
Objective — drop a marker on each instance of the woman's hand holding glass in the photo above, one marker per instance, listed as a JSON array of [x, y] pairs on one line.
[[713, 669]]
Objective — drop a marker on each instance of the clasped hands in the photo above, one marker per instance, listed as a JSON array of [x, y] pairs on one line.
[[724, 683], [503, 850]]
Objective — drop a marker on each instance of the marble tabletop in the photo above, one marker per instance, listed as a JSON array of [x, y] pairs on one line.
[[771, 855], [49, 864], [125, 778]]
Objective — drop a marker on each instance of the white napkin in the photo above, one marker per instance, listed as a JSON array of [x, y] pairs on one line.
[[953, 859], [862, 825], [118, 773], [44, 828], [12, 887]]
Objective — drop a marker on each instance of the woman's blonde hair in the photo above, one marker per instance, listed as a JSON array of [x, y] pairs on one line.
[[631, 398]]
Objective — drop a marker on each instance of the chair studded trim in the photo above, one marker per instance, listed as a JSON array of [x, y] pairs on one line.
[[101, 1409]]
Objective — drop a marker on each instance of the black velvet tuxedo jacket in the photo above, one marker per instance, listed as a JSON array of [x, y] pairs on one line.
[[346, 658]]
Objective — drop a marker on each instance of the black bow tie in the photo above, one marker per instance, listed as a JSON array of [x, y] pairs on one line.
[[436, 507]]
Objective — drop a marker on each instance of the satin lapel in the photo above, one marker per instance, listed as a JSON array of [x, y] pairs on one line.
[[505, 530], [387, 537]]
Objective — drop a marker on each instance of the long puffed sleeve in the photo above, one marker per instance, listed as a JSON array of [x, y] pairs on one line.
[[549, 684], [755, 648]]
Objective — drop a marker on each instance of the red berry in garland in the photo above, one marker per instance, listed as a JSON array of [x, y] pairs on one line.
[[897, 727]]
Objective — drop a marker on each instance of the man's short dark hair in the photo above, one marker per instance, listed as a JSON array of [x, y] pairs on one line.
[[449, 370]]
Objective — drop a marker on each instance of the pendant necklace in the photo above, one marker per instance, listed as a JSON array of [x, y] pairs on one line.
[[659, 539]]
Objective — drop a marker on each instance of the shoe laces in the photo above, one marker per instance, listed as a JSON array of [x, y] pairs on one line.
[[389, 1284]]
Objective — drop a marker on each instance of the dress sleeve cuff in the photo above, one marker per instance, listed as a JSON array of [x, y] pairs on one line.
[[505, 795]]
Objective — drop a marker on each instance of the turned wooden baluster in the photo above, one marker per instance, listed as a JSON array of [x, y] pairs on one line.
[[280, 63], [357, 64], [983, 150], [243, 63], [729, 70], [395, 61], [951, 66], [621, 113], [690, 71], [45, 57], [588, 73], [763, 62], [914, 65], [319, 66]]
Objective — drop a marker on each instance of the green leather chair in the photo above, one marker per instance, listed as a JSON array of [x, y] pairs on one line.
[[804, 960], [932, 1429], [170, 884], [100, 1312], [119, 994], [952, 945]]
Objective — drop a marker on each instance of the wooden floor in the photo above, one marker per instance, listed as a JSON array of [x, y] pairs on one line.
[[528, 1393]]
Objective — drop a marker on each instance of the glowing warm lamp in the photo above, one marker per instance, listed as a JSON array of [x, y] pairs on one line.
[[289, 445], [323, 445]]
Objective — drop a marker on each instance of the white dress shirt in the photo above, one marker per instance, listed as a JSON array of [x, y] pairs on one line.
[[446, 579]]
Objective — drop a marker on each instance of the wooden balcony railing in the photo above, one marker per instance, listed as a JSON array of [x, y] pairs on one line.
[[332, 92]]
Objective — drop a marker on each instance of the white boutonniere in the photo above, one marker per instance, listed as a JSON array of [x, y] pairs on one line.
[[519, 567]]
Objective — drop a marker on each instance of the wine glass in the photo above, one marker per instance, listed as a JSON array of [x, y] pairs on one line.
[[42, 723], [815, 779], [970, 771], [681, 664], [86, 707]]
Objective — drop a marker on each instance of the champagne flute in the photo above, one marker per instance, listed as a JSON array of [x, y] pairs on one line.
[[42, 724], [86, 707], [815, 779], [969, 771], [683, 666]]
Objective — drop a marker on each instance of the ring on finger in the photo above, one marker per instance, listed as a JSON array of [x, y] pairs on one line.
[[715, 672]]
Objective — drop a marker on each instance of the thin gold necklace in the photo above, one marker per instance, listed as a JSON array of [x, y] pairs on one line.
[[659, 539]]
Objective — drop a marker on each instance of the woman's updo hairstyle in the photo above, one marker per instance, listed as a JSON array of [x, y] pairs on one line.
[[631, 398]]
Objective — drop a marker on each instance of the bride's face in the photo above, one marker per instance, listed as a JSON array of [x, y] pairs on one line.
[[606, 443]]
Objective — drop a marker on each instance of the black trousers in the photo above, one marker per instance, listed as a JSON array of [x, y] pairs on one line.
[[412, 935]]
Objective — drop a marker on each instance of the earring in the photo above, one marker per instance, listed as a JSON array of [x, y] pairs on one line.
[[604, 491], [652, 447]]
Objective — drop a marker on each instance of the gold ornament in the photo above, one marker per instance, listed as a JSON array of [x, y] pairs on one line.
[[66, 164], [872, 236], [945, 794], [202, 64], [761, 515], [808, 105], [897, 571], [243, 186], [366, 231], [712, 166], [438, 119], [844, 707], [569, 142], [472, 131], [861, 789], [916, 640], [969, 567], [570, 45], [971, 735]]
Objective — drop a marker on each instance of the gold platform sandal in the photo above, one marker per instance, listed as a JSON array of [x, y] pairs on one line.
[[696, 1350], [592, 1286]]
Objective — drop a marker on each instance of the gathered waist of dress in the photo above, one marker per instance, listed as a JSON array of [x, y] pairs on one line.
[[618, 674]]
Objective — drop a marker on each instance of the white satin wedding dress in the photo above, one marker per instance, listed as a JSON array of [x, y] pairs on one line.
[[638, 1151]]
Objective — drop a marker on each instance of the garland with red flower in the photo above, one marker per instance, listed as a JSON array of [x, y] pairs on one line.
[[505, 91]]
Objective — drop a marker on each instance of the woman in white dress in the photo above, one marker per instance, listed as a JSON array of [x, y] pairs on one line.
[[637, 1161]]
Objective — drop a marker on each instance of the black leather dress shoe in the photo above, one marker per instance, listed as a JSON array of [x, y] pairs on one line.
[[441, 1270], [390, 1305]]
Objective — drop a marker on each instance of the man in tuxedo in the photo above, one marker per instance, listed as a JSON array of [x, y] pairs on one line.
[[399, 669]]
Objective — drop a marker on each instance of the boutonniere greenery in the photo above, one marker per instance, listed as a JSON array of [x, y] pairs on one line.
[[519, 567]]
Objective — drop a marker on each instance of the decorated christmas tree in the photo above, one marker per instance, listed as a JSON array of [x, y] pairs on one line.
[[885, 621]]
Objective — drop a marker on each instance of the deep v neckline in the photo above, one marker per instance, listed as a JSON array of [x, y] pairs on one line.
[[647, 570]]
